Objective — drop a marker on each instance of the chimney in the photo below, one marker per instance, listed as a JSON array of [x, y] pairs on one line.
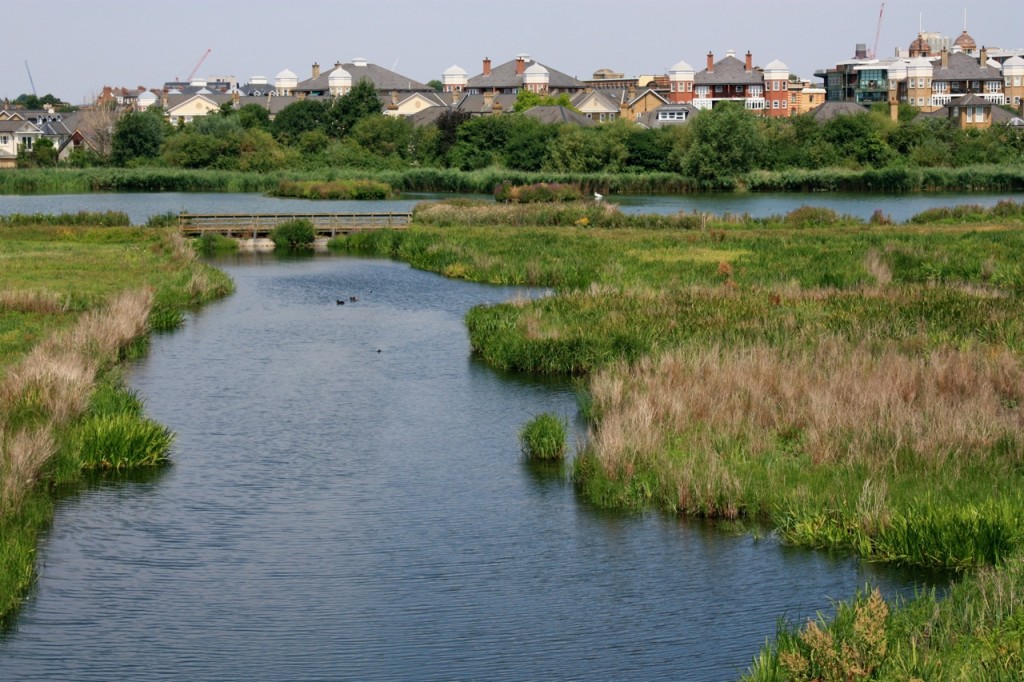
[[316, 70], [487, 66], [711, 62], [234, 98], [983, 57], [632, 92], [394, 97], [749, 63], [520, 66], [337, 65], [944, 63], [455, 97], [894, 110], [488, 99]]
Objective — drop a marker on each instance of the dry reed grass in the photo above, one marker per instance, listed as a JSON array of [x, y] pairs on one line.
[[53, 384], [22, 455], [45, 302], [837, 404]]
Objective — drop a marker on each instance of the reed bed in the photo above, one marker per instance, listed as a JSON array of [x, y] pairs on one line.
[[334, 189], [62, 408], [1005, 177]]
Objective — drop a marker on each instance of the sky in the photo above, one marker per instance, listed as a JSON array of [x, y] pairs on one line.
[[73, 47]]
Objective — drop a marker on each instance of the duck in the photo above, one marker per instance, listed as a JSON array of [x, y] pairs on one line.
[[339, 302]]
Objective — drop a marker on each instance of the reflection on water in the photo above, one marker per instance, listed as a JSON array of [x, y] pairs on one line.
[[140, 206], [335, 512]]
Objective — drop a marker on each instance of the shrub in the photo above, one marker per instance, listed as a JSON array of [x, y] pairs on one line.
[[215, 243], [812, 216], [543, 437], [541, 192], [294, 234]]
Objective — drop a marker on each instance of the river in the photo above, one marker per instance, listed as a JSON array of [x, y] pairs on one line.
[[348, 501], [140, 206]]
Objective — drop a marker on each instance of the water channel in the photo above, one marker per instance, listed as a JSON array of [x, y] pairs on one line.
[[348, 501], [140, 206]]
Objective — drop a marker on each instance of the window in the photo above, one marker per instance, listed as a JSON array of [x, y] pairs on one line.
[[4, 139], [718, 88], [775, 104], [739, 89], [979, 114], [671, 115], [784, 103], [785, 85], [26, 142], [969, 113], [1016, 81]]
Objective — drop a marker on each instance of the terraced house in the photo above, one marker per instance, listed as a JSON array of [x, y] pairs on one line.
[[764, 90]]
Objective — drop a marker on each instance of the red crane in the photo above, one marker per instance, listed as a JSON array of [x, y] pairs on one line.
[[198, 64]]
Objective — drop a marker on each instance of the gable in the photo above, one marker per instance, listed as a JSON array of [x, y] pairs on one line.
[[195, 106], [415, 103]]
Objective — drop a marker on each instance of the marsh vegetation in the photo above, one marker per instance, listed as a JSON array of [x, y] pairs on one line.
[[855, 384], [77, 300]]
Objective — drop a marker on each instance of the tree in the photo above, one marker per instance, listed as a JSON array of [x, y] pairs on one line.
[[97, 124], [437, 85], [526, 100], [137, 135], [300, 117], [384, 135], [725, 142], [356, 104], [254, 116]]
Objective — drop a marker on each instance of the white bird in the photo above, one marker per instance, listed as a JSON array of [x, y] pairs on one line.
[[598, 197]]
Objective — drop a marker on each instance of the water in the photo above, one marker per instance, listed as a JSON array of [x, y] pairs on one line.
[[335, 512], [141, 206]]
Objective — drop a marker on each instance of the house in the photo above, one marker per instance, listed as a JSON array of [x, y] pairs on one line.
[[184, 108], [666, 115], [765, 91], [400, 95], [609, 104], [511, 77], [972, 112], [16, 133], [803, 97], [961, 74]]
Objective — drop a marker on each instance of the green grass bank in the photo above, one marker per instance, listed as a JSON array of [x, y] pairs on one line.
[[76, 300]]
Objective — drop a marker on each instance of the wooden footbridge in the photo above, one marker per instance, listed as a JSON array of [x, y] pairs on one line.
[[257, 225]]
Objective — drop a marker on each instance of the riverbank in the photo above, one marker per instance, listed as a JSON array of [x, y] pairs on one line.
[[857, 386], [76, 301], [978, 178]]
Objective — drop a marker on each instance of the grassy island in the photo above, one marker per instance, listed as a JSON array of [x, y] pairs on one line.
[[858, 385], [78, 294]]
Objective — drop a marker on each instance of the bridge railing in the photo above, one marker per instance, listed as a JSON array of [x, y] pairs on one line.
[[261, 224]]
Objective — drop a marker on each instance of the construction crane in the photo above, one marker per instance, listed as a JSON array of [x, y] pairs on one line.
[[31, 82], [198, 64], [878, 32]]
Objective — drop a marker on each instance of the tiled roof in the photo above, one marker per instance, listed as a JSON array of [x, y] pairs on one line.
[[829, 110], [383, 79], [504, 76], [729, 71], [963, 67], [558, 114]]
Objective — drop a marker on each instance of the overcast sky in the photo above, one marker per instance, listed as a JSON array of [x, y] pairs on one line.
[[75, 47]]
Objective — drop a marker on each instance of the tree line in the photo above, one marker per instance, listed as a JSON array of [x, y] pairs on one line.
[[727, 141]]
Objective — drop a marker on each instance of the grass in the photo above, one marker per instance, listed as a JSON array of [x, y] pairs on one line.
[[543, 437], [77, 301], [855, 384]]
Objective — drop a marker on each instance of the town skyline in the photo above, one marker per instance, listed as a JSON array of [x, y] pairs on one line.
[[122, 44]]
